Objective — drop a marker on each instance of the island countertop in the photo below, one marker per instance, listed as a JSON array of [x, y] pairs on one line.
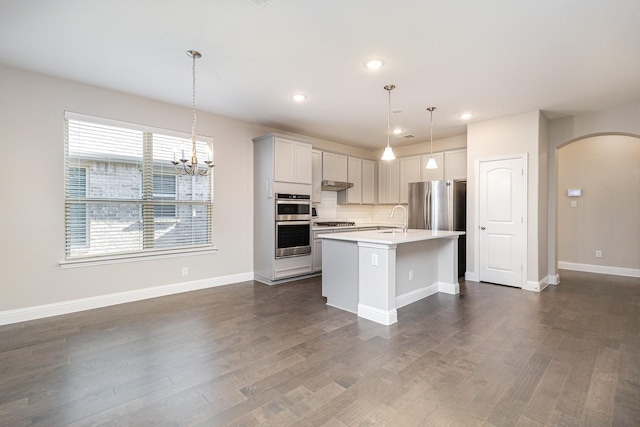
[[390, 237]]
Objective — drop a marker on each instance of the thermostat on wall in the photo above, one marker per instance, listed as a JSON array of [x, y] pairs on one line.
[[574, 192]]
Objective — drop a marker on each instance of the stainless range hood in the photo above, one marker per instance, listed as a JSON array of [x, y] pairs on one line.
[[327, 185]]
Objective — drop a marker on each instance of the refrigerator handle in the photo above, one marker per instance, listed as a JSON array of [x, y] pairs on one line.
[[427, 209]]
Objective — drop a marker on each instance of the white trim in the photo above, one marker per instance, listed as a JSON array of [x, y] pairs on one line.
[[534, 286], [601, 269], [376, 315], [471, 276], [554, 279], [416, 295], [449, 288], [73, 306], [117, 259]]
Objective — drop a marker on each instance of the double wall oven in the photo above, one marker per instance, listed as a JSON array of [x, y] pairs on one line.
[[293, 225]]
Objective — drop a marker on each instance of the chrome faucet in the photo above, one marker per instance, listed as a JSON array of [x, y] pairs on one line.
[[406, 220]]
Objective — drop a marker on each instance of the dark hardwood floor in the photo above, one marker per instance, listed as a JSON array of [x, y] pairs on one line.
[[249, 354]]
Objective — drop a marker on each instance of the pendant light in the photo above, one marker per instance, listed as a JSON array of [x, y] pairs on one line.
[[388, 152], [190, 166], [431, 163]]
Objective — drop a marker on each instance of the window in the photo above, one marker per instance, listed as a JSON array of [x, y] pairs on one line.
[[77, 213], [164, 188], [123, 196]]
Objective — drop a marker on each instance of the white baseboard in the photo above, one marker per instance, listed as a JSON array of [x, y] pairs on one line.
[[532, 285], [601, 269], [554, 279], [471, 276], [376, 315], [73, 306], [449, 288], [413, 296]]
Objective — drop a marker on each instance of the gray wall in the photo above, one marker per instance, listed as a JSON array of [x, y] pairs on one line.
[[621, 120], [32, 110], [607, 215]]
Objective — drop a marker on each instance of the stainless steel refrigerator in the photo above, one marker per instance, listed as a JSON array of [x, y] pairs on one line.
[[440, 205]]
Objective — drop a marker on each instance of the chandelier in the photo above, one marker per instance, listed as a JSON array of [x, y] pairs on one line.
[[190, 166]]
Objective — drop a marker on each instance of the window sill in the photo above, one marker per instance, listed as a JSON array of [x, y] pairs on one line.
[[117, 259]]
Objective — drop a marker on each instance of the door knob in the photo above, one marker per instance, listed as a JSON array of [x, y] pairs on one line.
[[482, 228]]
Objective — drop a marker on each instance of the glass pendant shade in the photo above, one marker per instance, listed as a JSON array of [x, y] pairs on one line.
[[431, 163], [388, 154]]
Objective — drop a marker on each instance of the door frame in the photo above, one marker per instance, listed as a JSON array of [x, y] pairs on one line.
[[525, 204]]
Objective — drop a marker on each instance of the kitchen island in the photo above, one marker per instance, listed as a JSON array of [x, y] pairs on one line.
[[373, 273]]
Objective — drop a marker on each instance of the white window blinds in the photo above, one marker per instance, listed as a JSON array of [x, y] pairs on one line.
[[123, 195]]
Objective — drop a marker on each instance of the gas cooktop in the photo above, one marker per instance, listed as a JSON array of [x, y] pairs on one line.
[[334, 223]]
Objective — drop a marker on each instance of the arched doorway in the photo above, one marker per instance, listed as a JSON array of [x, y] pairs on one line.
[[599, 230]]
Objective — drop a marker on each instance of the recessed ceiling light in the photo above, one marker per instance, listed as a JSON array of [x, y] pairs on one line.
[[298, 97], [374, 64], [465, 116], [397, 131]]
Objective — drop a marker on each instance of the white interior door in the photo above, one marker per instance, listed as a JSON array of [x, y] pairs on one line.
[[502, 194]]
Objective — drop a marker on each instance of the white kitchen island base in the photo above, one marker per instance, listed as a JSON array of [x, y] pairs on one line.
[[373, 273]]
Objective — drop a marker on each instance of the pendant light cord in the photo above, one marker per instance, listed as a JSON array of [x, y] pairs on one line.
[[430, 110], [389, 118]]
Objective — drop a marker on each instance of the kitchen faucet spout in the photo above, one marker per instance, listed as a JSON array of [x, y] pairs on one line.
[[405, 224]]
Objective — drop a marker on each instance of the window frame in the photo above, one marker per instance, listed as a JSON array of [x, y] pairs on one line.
[[145, 252]]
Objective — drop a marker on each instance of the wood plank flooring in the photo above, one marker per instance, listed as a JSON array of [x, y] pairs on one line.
[[249, 354]]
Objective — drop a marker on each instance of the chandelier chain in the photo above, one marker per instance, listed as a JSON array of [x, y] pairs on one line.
[[193, 74]]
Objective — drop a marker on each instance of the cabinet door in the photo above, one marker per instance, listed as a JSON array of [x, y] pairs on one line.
[[283, 157], [302, 163], [388, 181], [334, 167], [291, 161], [431, 174], [368, 182], [409, 172], [316, 176], [455, 164], [317, 255], [354, 175]]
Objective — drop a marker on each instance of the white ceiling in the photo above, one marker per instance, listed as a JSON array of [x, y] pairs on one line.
[[492, 58]]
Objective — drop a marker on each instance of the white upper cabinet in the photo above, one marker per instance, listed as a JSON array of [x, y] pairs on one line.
[[409, 172], [368, 182], [292, 161], [354, 175], [361, 173], [388, 181], [334, 167], [316, 176], [455, 164], [432, 174]]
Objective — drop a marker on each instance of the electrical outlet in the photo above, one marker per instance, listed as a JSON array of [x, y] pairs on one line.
[[374, 259], [598, 254], [410, 274], [185, 271]]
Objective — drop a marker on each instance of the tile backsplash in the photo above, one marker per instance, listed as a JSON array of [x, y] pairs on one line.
[[330, 210]]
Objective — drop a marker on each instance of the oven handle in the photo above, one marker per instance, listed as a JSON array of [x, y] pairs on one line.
[[293, 202], [293, 223]]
